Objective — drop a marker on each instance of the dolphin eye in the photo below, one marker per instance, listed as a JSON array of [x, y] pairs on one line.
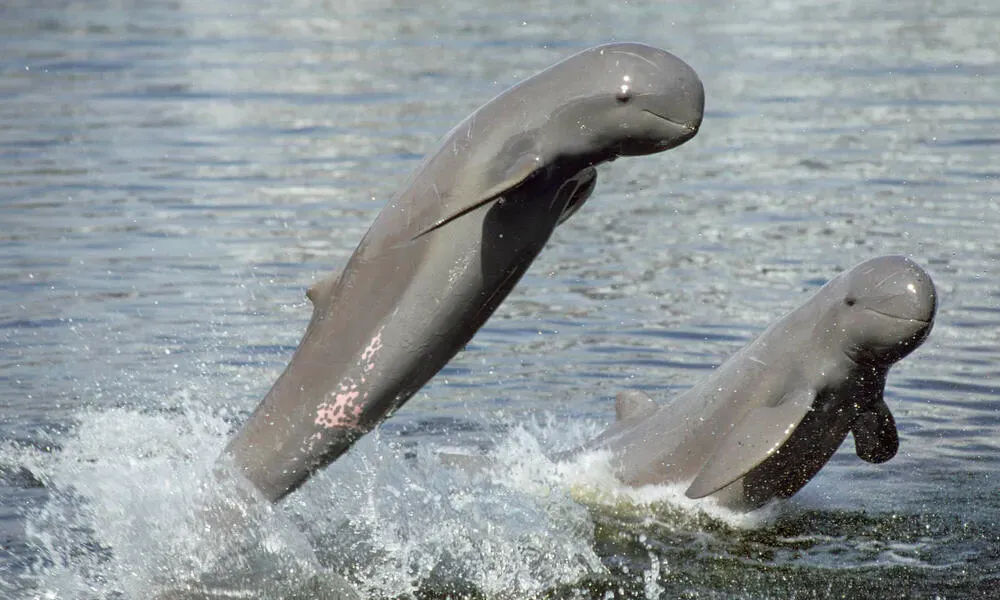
[[624, 94], [850, 301]]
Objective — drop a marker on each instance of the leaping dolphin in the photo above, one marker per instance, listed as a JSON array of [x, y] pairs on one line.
[[768, 419], [445, 252]]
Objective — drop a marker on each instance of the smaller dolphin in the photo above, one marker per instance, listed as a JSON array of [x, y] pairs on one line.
[[768, 419]]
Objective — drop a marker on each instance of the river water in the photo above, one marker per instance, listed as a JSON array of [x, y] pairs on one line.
[[175, 174]]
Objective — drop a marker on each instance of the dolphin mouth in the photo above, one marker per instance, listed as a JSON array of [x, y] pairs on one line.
[[687, 129], [899, 318]]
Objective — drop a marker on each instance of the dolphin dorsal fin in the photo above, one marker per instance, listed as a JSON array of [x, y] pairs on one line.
[[750, 441], [321, 291], [632, 403]]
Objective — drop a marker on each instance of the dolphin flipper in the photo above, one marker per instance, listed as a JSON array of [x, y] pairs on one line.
[[632, 403], [583, 186], [875, 437], [520, 166], [751, 441]]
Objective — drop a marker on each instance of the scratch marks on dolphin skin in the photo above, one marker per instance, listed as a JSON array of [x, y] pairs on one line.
[[348, 402], [458, 270], [639, 56]]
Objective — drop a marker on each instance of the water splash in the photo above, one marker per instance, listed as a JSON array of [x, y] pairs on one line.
[[136, 509], [410, 523]]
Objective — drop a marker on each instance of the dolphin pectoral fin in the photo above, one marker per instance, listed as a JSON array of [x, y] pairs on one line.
[[750, 442], [875, 437], [632, 403], [583, 186], [442, 222], [520, 170]]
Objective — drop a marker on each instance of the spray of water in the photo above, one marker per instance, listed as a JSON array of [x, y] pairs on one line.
[[138, 508]]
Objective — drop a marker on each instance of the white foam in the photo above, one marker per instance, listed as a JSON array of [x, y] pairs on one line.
[[135, 507], [591, 479], [409, 521]]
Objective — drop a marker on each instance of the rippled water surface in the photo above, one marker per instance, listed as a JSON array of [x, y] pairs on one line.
[[174, 175]]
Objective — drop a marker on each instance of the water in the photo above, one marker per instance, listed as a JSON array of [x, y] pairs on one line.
[[174, 175]]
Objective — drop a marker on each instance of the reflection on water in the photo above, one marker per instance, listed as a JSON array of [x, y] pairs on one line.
[[174, 175]]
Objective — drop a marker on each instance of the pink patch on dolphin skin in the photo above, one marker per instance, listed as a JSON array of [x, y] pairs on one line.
[[344, 409], [371, 350], [342, 412]]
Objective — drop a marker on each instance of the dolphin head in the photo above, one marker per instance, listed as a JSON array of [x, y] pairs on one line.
[[886, 309], [628, 99]]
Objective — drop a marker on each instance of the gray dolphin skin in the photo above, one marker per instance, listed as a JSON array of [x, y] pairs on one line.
[[444, 253], [768, 419]]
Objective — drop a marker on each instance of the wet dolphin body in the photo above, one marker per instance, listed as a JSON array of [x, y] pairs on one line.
[[447, 250], [768, 419]]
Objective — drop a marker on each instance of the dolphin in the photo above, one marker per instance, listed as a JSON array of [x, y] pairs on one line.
[[768, 419], [446, 251]]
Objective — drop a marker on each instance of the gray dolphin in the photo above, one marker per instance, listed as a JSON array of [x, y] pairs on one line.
[[765, 422], [445, 252]]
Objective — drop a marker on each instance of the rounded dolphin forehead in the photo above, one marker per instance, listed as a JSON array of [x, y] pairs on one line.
[[889, 275], [643, 69]]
